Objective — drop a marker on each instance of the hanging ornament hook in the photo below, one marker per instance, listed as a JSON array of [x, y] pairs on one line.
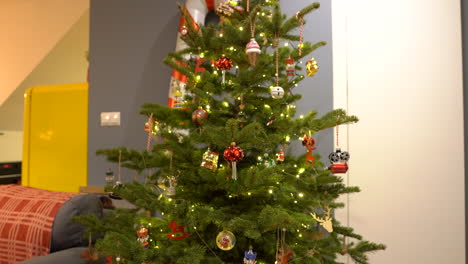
[[120, 166], [301, 31], [149, 129]]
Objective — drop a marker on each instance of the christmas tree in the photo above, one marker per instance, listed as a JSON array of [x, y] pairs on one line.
[[220, 183]]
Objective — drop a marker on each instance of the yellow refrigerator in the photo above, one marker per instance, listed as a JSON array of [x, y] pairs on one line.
[[55, 137]]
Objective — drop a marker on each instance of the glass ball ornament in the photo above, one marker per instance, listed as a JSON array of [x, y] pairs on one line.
[[199, 116], [312, 67], [226, 240], [233, 153], [277, 92], [184, 31]]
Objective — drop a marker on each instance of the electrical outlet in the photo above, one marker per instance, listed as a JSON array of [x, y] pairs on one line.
[[110, 118]]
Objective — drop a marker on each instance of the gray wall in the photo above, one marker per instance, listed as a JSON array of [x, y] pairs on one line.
[[128, 41], [317, 91]]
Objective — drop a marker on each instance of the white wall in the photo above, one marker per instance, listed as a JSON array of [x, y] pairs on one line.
[[397, 65], [11, 143]]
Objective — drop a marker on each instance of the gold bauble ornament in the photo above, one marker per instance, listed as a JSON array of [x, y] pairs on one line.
[[225, 240], [312, 67]]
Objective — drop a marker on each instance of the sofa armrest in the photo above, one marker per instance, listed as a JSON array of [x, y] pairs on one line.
[[67, 233]]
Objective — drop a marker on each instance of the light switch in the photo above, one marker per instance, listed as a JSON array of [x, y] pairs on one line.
[[110, 118]]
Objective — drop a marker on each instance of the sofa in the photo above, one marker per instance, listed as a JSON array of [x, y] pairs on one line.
[[67, 237], [68, 240]]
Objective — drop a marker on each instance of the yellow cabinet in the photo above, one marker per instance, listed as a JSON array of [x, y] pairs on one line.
[[55, 137]]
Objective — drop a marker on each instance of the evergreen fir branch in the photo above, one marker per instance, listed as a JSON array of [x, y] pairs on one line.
[[325, 180], [358, 252], [290, 37], [171, 117], [117, 244], [352, 189], [130, 158], [192, 255], [277, 19], [315, 46], [346, 231], [91, 222], [179, 67], [179, 55], [251, 18], [293, 22], [194, 37]]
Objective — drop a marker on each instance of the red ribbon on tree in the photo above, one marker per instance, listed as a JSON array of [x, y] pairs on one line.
[[233, 154]]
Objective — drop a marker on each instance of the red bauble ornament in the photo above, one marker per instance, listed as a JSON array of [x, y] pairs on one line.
[[233, 154], [223, 63], [308, 141], [199, 116], [184, 31]]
